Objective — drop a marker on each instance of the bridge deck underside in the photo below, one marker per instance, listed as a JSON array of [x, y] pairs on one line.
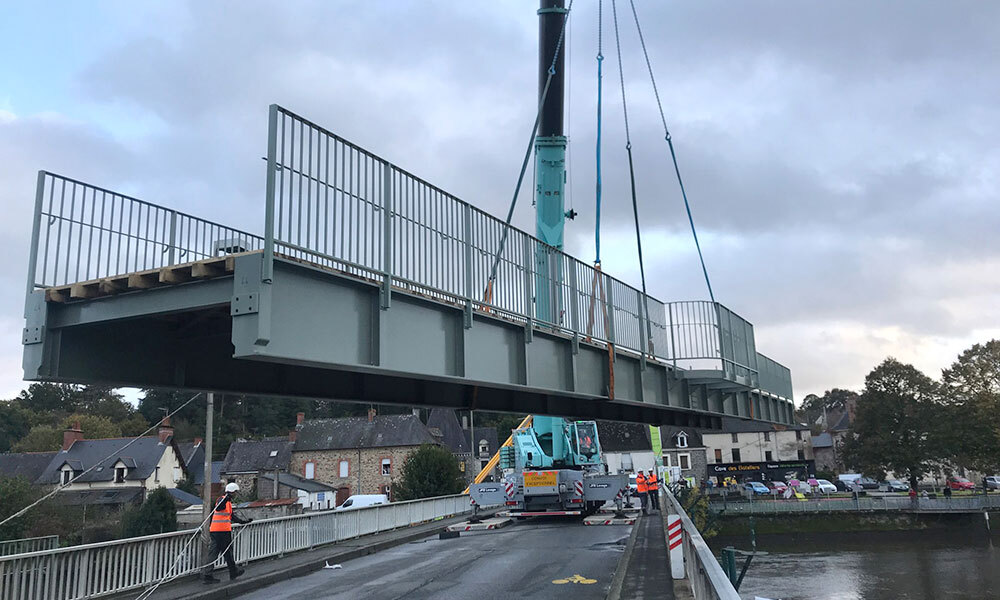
[[312, 332]]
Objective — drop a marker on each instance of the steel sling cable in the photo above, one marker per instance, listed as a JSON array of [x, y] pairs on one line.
[[647, 347], [673, 155], [600, 62], [527, 156], [63, 486]]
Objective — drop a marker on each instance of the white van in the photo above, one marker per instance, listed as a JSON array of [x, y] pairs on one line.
[[363, 500]]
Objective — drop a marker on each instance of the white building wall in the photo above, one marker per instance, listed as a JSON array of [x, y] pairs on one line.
[[753, 447]]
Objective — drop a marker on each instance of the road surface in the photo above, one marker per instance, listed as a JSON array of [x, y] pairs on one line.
[[537, 558]]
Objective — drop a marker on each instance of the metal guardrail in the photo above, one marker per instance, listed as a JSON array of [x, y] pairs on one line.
[[95, 570], [703, 571], [335, 204], [23, 545], [83, 232], [860, 504]]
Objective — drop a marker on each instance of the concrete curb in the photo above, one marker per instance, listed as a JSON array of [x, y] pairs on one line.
[[242, 586], [615, 593]]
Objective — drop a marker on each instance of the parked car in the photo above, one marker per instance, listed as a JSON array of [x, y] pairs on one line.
[[825, 486], [363, 500], [777, 487], [757, 488], [960, 483], [867, 483], [802, 487], [993, 482], [842, 486], [893, 485]]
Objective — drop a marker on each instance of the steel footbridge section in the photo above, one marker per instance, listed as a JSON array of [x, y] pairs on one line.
[[367, 285]]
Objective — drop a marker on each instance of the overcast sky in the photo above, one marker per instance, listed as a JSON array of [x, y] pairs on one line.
[[841, 158]]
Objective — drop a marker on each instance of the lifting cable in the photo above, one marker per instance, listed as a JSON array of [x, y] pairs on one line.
[[488, 295], [673, 155], [647, 347]]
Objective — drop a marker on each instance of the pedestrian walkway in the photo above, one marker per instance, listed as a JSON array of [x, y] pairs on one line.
[[267, 572], [647, 574]]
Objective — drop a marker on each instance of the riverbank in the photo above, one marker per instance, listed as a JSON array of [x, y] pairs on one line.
[[796, 524]]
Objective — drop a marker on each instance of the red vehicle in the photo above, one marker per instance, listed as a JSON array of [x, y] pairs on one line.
[[960, 483], [777, 486]]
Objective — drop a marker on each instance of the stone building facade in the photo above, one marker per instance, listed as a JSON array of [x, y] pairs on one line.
[[353, 470], [357, 455]]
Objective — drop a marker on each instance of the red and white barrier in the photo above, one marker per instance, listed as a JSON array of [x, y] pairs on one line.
[[675, 537]]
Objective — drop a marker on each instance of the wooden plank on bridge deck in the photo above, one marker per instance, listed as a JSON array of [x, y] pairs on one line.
[[88, 289], [176, 273]]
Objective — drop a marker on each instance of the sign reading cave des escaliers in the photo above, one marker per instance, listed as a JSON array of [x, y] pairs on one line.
[[718, 469]]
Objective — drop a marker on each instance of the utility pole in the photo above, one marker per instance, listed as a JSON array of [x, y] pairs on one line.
[[472, 444], [206, 488]]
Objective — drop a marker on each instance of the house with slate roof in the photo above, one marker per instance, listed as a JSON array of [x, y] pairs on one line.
[[28, 465], [125, 470], [356, 455], [472, 449], [247, 460], [309, 493]]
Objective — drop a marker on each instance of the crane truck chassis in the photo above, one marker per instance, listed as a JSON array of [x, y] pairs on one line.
[[554, 467]]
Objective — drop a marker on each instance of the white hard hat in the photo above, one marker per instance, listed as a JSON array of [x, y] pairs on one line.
[[232, 487]]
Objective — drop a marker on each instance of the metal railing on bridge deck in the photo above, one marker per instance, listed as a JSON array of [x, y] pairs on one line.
[[333, 204], [859, 504], [95, 570], [33, 544]]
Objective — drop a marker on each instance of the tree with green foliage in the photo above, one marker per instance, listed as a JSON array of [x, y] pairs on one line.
[[695, 504], [430, 471], [15, 494], [15, 423], [46, 438], [972, 391], [187, 485], [898, 425], [832, 403], [157, 514]]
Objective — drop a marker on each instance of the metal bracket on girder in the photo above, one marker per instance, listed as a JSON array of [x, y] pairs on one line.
[[33, 335], [244, 304], [34, 319]]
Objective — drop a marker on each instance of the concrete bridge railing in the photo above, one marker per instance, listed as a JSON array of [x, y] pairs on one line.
[[701, 569], [95, 570]]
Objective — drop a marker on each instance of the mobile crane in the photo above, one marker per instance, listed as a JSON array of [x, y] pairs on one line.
[[552, 467]]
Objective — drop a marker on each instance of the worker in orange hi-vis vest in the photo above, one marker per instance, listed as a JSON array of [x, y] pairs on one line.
[[221, 531], [653, 485], [643, 488]]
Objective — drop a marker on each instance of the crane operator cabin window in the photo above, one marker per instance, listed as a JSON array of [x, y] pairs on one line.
[[586, 439]]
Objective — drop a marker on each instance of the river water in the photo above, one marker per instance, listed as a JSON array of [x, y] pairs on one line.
[[873, 566]]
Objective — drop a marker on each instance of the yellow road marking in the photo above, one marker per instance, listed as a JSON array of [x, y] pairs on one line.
[[574, 579]]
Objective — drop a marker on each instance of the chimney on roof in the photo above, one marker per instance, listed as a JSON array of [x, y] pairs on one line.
[[198, 441], [166, 430], [71, 435], [299, 418], [371, 415], [292, 435]]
